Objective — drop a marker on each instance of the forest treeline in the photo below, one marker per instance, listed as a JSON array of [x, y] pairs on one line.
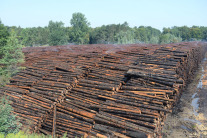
[[80, 32], [13, 38]]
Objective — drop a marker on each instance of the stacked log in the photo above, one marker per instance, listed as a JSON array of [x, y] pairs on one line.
[[103, 91]]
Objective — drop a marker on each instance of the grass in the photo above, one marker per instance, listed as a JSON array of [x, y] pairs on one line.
[[21, 134]]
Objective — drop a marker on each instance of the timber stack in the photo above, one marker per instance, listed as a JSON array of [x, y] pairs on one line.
[[101, 90]]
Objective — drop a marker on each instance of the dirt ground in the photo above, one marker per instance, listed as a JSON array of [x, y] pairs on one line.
[[189, 118]]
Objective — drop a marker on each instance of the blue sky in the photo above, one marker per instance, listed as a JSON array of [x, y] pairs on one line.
[[155, 13]]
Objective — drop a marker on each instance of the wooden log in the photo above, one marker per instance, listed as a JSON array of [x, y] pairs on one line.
[[105, 129], [124, 110], [122, 124], [112, 66], [143, 110], [54, 123], [69, 119], [97, 86], [76, 115], [139, 100], [143, 106], [78, 111], [133, 72], [95, 82], [80, 106], [42, 88]]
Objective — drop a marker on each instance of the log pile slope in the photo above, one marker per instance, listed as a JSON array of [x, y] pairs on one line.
[[101, 90]]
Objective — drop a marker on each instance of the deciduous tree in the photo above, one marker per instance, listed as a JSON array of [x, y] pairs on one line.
[[57, 34], [80, 29]]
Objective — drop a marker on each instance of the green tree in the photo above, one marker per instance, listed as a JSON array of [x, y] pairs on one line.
[[57, 34], [4, 34], [12, 55], [42, 35], [17, 31], [8, 122], [98, 36], [35, 36], [185, 33], [68, 33], [196, 32], [125, 37], [80, 29], [111, 34], [27, 37], [166, 30], [204, 32], [169, 38], [154, 40], [145, 34]]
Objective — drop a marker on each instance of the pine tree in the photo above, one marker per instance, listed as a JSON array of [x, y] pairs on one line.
[[12, 55], [8, 122]]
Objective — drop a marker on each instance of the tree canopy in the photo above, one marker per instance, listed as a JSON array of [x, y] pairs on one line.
[[80, 29], [169, 38], [56, 33], [188, 33], [110, 34]]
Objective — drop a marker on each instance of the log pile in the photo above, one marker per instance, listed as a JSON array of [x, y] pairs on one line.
[[102, 90]]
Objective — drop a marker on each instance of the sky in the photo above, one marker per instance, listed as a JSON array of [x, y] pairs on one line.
[[155, 13]]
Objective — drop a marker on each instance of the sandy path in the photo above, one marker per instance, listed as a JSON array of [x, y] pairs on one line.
[[189, 118]]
